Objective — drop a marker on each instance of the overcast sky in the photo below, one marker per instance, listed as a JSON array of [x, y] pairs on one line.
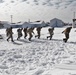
[[22, 10]]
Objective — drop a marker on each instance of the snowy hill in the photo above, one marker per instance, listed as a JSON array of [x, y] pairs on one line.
[[40, 56]]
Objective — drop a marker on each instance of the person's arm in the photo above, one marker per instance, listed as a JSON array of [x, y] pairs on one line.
[[63, 31]]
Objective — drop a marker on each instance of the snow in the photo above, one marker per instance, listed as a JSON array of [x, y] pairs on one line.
[[65, 66], [39, 56]]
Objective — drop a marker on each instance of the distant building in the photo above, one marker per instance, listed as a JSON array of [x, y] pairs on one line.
[[67, 24], [74, 23], [34, 24], [4, 24], [7, 24], [1, 25], [56, 23]]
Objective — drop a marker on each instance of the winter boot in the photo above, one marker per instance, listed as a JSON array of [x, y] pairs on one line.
[[7, 40], [47, 37], [65, 40]]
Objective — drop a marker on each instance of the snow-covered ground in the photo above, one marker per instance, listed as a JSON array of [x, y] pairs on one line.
[[40, 56]]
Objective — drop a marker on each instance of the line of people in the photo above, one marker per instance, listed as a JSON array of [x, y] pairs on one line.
[[30, 31]]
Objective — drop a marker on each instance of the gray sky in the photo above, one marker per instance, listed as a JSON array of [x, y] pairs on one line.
[[22, 10]]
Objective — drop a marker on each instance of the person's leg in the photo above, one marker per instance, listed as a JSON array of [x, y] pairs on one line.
[[51, 37], [48, 37], [30, 35], [39, 35], [25, 35], [67, 37], [36, 35], [8, 38], [65, 40], [18, 37], [12, 38]]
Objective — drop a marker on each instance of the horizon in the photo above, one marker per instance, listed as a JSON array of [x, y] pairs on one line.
[[45, 10], [35, 21]]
